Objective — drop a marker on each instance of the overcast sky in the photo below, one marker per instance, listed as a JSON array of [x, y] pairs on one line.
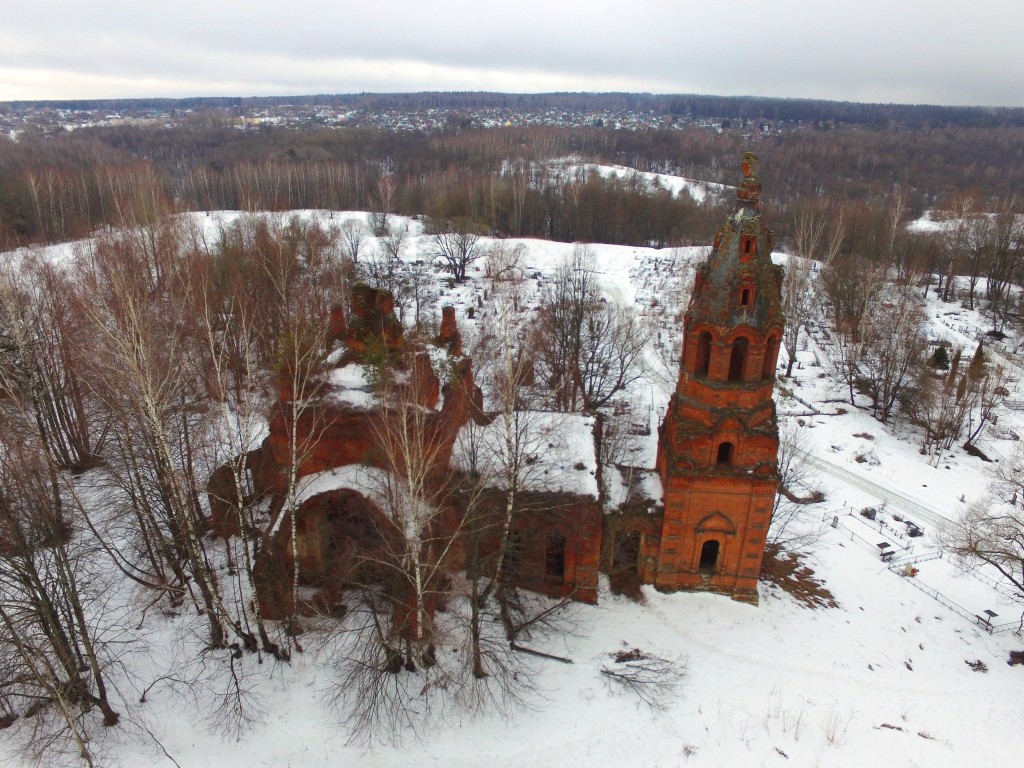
[[909, 51]]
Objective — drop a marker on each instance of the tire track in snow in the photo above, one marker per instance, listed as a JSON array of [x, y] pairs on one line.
[[885, 491]]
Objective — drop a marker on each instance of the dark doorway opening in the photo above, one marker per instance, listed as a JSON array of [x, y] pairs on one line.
[[350, 550], [725, 451], [554, 558], [709, 557], [624, 577]]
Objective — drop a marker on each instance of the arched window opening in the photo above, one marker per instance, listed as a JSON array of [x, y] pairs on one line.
[[771, 351], [749, 249], [554, 558], [745, 296], [725, 453], [703, 362], [738, 359], [709, 556]]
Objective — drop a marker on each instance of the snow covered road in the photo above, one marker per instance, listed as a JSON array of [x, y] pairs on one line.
[[887, 492]]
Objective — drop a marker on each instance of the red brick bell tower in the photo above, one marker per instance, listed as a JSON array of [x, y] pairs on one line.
[[718, 445]]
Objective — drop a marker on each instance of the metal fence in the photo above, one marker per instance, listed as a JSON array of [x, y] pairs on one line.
[[924, 557], [871, 545], [903, 540], [994, 583], [974, 618], [854, 536], [898, 566]]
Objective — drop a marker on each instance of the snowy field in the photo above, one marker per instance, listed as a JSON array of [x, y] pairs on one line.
[[674, 185], [880, 679]]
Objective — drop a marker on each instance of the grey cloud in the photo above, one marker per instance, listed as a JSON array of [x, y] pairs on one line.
[[871, 50]]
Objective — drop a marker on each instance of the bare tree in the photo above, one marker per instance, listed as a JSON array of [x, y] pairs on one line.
[[385, 644], [797, 304], [589, 349], [458, 247], [240, 389], [54, 668], [977, 237], [853, 288], [353, 236], [988, 385], [384, 203], [954, 240], [611, 354], [940, 404], [151, 374], [41, 345], [306, 296], [818, 231], [793, 526], [893, 343], [386, 270], [895, 215], [420, 282], [990, 532], [1004, 264], [143, 374], [503, 457], [393, 240], [818, 234], [505, 462], [504, 262]]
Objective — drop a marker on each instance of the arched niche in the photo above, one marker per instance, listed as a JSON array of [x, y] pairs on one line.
[[738, 353]]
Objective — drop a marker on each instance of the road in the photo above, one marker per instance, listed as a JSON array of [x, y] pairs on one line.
[[894, 497]]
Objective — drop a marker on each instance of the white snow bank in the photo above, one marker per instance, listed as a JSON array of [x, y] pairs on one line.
[[559, 449]]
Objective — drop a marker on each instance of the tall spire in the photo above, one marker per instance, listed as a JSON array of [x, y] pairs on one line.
[[749, 188]]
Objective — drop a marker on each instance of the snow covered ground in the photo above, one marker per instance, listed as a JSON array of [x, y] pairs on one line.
[[674, 185], [880, 679]]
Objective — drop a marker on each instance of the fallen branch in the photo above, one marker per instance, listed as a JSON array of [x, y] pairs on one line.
[[651, 678], [523, 649]]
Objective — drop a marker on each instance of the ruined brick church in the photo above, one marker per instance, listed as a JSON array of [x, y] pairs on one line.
[[697, 521]]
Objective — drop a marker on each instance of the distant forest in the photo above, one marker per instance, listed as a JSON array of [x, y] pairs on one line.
[[850, 160], [906, 116]]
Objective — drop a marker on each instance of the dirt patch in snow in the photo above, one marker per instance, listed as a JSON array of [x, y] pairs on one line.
[[786, 571]]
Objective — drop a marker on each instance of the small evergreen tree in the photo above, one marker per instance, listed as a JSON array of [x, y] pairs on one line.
[[940, 358]]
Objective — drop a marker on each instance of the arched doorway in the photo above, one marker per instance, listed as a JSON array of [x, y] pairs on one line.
[[352, 540], [725, 455], [709, 557]]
